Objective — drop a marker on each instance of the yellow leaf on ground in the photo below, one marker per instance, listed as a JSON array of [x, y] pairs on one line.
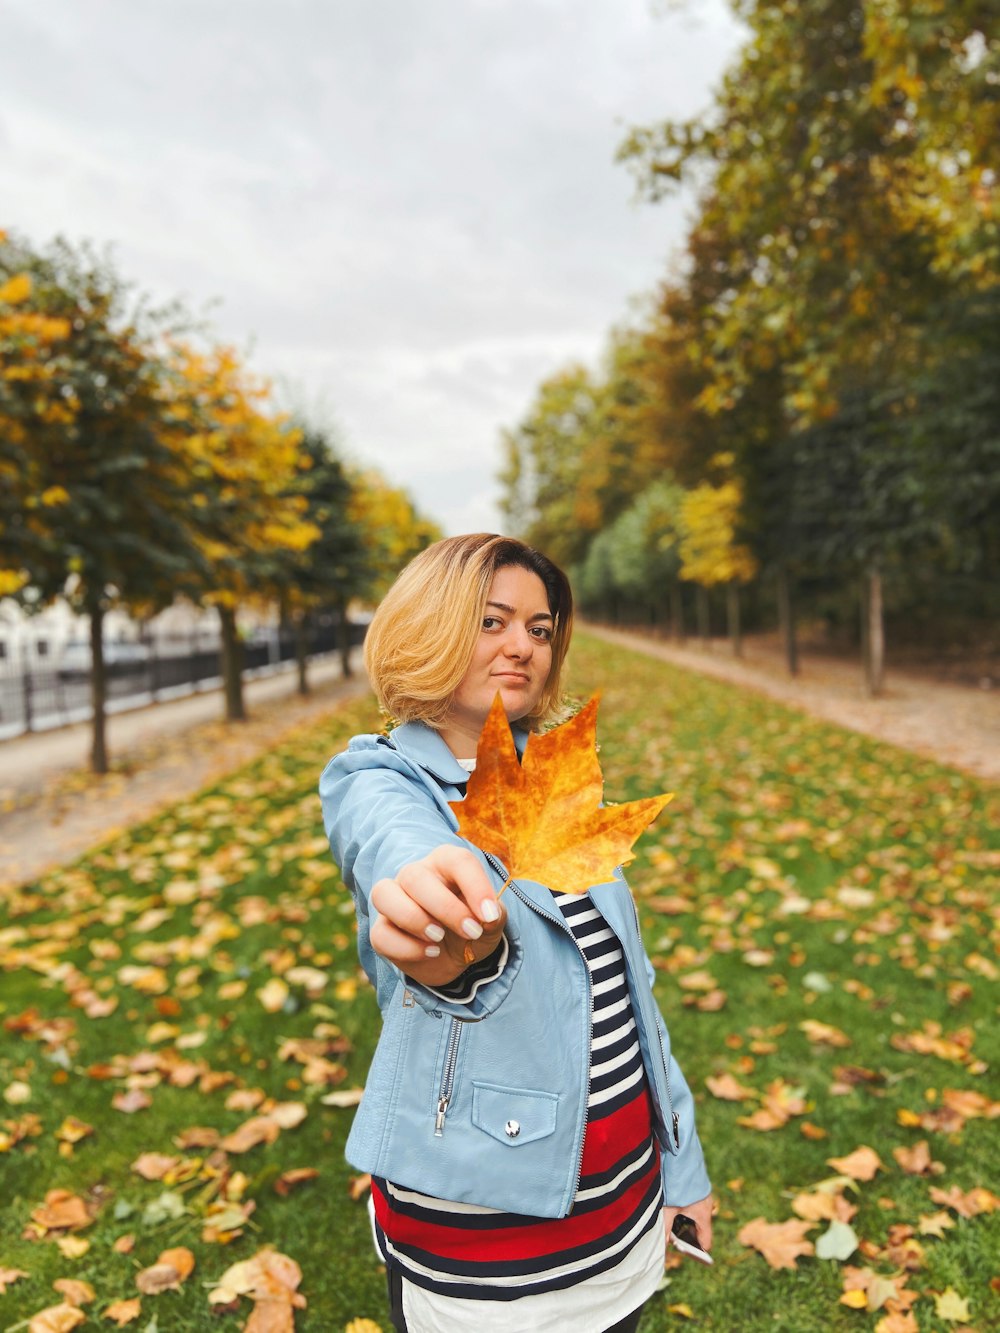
[[362, 1326], [9, 1276], [123, 1312], [74, 1291], [859, 1165], [935, 1224], [543, 817], [73, 1247], [855, 1299], [824, 1034], [56, 1319], [952, 1307]]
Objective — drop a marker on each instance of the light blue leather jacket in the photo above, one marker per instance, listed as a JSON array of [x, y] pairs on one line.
[[447, 1078]]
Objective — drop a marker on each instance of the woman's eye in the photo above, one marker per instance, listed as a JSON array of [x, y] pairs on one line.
[[542, 632], [490, 622]]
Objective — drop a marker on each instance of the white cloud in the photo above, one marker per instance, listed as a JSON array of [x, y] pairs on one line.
[[411, 209]]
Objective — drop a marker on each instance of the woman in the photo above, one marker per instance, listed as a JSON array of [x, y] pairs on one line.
[[524, 1123]]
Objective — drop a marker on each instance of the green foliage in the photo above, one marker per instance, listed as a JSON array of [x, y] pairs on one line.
[[94, 505]]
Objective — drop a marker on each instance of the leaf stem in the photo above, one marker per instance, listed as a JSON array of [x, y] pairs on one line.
[[507, 883]]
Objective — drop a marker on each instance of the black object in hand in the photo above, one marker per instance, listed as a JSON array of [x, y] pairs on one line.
[[685, 1237]]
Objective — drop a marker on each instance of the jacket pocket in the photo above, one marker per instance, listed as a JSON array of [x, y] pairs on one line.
[[513, 1116]]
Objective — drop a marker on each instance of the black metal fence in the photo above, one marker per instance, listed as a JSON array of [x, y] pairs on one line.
[[44, 697]]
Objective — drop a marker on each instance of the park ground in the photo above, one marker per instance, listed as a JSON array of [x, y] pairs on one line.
[[820, 907]]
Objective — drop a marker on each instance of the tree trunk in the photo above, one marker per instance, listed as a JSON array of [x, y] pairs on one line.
[[301, 631], [874, 631], [344, 640], [98, 692], [677, 611], [232, 665], [702, 613], [786, 619], [733, 618]]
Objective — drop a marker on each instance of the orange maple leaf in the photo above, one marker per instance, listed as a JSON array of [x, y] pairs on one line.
[[543, 817], [781, 1243]]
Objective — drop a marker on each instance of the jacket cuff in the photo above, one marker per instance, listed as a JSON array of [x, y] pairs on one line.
[[488, 993]]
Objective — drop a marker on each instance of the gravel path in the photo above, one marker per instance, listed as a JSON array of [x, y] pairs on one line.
[[958, 725], [52, 809]]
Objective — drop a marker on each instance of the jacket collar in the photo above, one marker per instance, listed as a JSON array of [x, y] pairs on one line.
[[425, 747]]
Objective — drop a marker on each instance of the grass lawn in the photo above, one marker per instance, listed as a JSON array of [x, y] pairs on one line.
[[822, 913]]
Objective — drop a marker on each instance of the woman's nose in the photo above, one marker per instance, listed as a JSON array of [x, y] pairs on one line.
[[519, 642]]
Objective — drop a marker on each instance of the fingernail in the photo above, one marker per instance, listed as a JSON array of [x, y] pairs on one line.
[[472, 928], [489, 910], [432, 951], [434, 932]]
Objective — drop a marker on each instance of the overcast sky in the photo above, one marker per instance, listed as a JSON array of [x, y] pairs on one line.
[[407, 210]]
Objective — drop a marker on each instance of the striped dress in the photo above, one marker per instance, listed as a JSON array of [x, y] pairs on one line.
[[465, 1251]]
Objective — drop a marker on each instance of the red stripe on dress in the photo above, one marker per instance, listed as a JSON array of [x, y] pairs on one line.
[[548, 1236], [608, 1140]]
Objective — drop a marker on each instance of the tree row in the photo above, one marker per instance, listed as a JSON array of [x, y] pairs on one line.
[[141, 462]]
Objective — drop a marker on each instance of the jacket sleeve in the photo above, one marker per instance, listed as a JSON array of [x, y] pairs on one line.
[[685, 1177], [379, 815]]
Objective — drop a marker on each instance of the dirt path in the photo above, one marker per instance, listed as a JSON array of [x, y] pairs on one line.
[[955, 724]]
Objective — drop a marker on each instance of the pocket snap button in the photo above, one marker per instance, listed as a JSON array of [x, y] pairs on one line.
[[512, 1129]]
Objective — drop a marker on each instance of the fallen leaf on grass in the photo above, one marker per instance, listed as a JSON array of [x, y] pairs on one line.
[[8, 1276], [359, 1186], [74, 1291], [347, 1097], [123, 1312], [823, 1206], [916, 1161], [133, 1100], [270, 1279], [824, 1034], [838, 1242], [859, 1165], [970, 1104], [72, 1247], [935, 1224], [225, 1219], [950, 1306], [56, 1319], [976, 1201], [897, 1322], [728, 1089], [61, 1211], [781, 1243], [153, 1165], [167, 1274], [289, 1180], [362, 1326]]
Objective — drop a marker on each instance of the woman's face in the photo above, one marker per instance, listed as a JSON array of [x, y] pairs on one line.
[[513, 656]]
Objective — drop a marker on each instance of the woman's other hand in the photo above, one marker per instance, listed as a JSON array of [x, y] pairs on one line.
[[438, 915], [700, 1214]]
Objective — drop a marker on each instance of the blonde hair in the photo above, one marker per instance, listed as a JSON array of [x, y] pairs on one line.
[[422, 637]]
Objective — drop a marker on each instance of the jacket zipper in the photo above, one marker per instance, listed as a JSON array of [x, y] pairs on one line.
[[560, 921], [674, 1118], [447, 1077]]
